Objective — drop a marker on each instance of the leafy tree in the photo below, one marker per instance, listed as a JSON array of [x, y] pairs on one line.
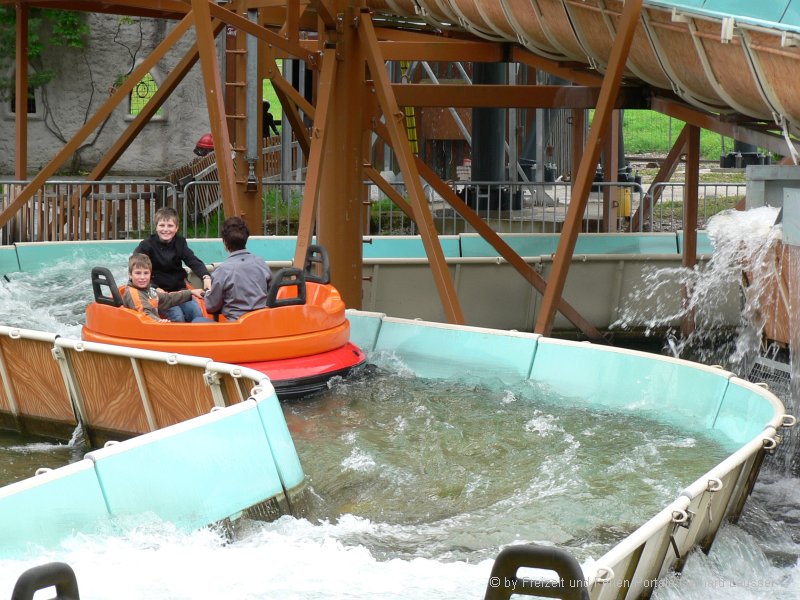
[[45, 28]]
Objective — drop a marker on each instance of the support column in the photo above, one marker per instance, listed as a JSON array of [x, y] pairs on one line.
[[339, 222], [690, 199], [578, 138], [21, 98], [489, 127], [583, 182]]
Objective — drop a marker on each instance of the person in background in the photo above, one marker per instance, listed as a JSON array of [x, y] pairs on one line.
[[169, 251], [268, 125], [139, 296], [240, 283]]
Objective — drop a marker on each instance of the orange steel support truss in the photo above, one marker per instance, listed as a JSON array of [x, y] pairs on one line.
[[353, 98]]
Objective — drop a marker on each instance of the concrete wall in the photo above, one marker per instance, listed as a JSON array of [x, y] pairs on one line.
[[84, 79]]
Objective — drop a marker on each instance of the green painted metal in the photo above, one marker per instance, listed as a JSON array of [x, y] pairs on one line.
[[45, 509]]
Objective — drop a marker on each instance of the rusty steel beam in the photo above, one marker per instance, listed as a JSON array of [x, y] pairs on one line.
[[394, 123], [690, 209], [316, 155], [340, 208], [158, 9], [571, 72], [387, 188], [443, 49], [585, 176], [325, 12], [511, 96], [763, 139], [664, 174], [21, 91], [120, 94], [256, 30], [506, 251], [216, 108]]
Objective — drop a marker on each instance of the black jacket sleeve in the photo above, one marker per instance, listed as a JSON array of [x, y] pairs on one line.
[[188, 257]]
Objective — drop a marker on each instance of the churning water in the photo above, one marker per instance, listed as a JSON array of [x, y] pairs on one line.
[[416, 486]]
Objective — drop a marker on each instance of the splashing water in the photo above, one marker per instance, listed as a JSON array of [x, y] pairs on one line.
[[742, 241]]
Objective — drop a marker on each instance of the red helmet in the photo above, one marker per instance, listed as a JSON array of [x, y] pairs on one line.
[[204, 145], [206, 141]]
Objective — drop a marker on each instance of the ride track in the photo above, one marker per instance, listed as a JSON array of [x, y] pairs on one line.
[[713, 64]]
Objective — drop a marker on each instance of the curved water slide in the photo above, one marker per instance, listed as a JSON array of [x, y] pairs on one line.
[[730, 57]]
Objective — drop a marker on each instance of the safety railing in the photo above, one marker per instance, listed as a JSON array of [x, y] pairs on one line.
[[663, 204], [85, 210], [506, 206], [68, 210]]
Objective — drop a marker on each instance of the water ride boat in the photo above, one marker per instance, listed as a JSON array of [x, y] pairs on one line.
[[300, 340]]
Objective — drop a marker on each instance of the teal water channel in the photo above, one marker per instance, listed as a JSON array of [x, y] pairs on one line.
[[415, 486]]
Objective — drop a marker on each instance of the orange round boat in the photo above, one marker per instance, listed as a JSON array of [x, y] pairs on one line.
[[299, 341]]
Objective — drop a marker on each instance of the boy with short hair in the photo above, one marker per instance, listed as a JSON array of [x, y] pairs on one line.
[[168, 251], [141, 297], [240, 282]]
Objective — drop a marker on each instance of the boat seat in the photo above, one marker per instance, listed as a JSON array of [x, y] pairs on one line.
[[101, 279], [287, 278], [317, 255]]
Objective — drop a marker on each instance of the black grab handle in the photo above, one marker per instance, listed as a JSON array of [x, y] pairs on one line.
[[56, 574], [288, 277], [102, 277], [503, 582], [317, 255]]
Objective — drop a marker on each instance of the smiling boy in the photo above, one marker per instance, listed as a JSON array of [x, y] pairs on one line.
[[139, 296], [168, 252]]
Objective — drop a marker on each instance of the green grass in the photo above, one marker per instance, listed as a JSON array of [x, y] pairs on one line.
[[649, 132]]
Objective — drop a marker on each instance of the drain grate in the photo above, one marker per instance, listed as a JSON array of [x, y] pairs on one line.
[[777, 375]]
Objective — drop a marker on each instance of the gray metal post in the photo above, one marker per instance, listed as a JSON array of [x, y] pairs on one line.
[[488, 128]]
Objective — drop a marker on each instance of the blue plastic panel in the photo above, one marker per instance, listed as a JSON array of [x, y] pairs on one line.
[[32, 256], [791, 16], [677, 3], [545, 244], [284, 454], [533, 244], [402, 246], [209, 250], [198, 479], [703, 243], [685, 394], [440, 351], [9, 263], [744, 412], [364, 328], [273, 248], [48, 508], [771, 11]]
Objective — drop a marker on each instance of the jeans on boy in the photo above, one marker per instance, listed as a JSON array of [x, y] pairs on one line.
[[188, 312]]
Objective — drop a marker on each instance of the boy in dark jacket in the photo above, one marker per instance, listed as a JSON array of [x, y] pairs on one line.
[[139, 296], [168, 251]]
